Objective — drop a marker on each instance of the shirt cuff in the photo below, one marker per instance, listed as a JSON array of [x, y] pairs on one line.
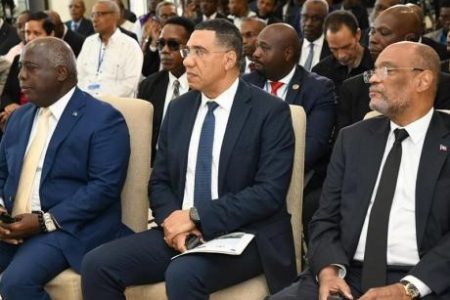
[[342, 271], [420, 285], [2, 203]]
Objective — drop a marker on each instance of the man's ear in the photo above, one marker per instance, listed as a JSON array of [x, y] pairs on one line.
[[424, 81], [61, 73], [230, 58]]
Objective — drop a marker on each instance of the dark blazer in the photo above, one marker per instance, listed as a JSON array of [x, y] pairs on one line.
[[325, 50], [75, 41], [317, 97], [11, 92], [336, 226], [445, 66], [440, 49], [85, 29], [330, 67], [151, 61], [354, 99], [83, 173], [199, 18], [8, 38], [153, 89], [254, 174]]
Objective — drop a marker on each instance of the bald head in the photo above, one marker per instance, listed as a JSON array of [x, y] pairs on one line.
[[395, 24], [277, 51], [250, 29]]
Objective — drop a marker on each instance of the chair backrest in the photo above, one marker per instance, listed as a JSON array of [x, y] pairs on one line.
[[138, 115], [295, 192], [372, 114]]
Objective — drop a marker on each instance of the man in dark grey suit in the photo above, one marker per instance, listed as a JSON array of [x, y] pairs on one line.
[[224, 162], [391, 171]]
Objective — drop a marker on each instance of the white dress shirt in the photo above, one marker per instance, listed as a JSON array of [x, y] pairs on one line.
[[111, 69], [282, 91], [221, 114], [238, 20], [184, 88], [402, 240], [56, 110], [318, 44]]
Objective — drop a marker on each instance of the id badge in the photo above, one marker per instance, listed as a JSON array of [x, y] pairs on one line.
[[94, 87]]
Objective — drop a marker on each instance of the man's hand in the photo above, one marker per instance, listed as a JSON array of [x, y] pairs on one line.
[[4, 233], [330, 283], [25, 226], [179, 241], [391, 292], [177, 222]]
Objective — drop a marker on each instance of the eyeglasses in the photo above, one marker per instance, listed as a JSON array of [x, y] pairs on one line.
[[97, 14], [383, 72], [171, 44], [198, 52]]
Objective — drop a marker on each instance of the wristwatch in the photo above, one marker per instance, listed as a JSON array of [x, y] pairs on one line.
[[194, 216], [410, 289], [48, 222]]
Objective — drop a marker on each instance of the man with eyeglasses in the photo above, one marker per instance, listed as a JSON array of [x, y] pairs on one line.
[[314, 46], [223, 165], [161, 87], [250, 28], [397, 23], [110, 62], [382, 228]]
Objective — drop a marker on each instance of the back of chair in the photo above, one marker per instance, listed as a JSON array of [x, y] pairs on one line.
[[138, 115], [295, 193]]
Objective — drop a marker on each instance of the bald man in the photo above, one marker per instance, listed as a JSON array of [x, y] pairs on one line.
[[61, 178], [406, 177], [275, 58], [395, 24], [250, 28]]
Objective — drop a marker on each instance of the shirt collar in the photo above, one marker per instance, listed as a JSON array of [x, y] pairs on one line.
[[225, 100], [182, 79], [417, 129], [286, 79], [316, 42], [58, 107], [113, 37], [211, 17]]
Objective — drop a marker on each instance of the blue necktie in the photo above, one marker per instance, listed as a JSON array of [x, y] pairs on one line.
[[202, 189], [309, 59]]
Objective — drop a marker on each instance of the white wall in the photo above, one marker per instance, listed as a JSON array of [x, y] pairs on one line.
[[61, 7]]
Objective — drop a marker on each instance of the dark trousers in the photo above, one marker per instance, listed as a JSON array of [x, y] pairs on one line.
[[28, 267], [145, 258], [306, 286]]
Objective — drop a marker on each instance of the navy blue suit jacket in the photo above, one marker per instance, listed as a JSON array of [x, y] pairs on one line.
[[83, 172], [316, 95], [336, 227], [85, 29], [254, 174]]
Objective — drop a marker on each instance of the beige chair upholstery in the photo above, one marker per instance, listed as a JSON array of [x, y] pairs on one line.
[[255, 288], [138, 115]]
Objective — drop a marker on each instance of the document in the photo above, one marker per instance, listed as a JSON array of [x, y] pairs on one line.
[[231, 244]]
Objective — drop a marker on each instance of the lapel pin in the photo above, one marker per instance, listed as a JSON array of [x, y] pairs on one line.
[[75, 114], [442, 148], [295, 87]]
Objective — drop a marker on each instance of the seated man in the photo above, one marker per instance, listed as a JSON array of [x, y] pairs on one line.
[[61, 177], [382, 228], [229, 174]]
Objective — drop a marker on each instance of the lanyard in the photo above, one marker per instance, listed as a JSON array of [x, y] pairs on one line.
[[101, 55]]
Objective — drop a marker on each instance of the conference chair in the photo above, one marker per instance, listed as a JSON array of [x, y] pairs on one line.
[[255, 288], [138, 115]]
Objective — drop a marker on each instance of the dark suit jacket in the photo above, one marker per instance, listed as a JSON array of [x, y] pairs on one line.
[[440, 49], [254, 174], [354, 99], [352, 173], [199, 18], [151, 61], [8, 38], [11, 92], [445, 66], [330, 67], [153, 89], [83, 173], [85, 29], [75, 41], [317, 97]]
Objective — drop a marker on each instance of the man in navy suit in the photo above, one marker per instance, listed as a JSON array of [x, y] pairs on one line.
[[79, 23], [71, 202], [275, 58], [375, 178], [235, 178]]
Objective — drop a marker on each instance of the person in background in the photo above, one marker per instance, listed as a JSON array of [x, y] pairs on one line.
[[79, 23]]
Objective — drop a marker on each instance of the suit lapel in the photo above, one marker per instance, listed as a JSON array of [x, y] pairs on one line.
[[434, 154], [295, 86], [72, 113], [238, 115], [160, 95]]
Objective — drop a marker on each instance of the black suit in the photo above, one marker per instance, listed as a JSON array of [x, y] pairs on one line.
[[11, 92], [336, 227], [317, 97], [75, 41], [440, 49], [153, 89], [445, 66], [8, 38], [354, 99], [332, 69], [85, 28], [199, 18]]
